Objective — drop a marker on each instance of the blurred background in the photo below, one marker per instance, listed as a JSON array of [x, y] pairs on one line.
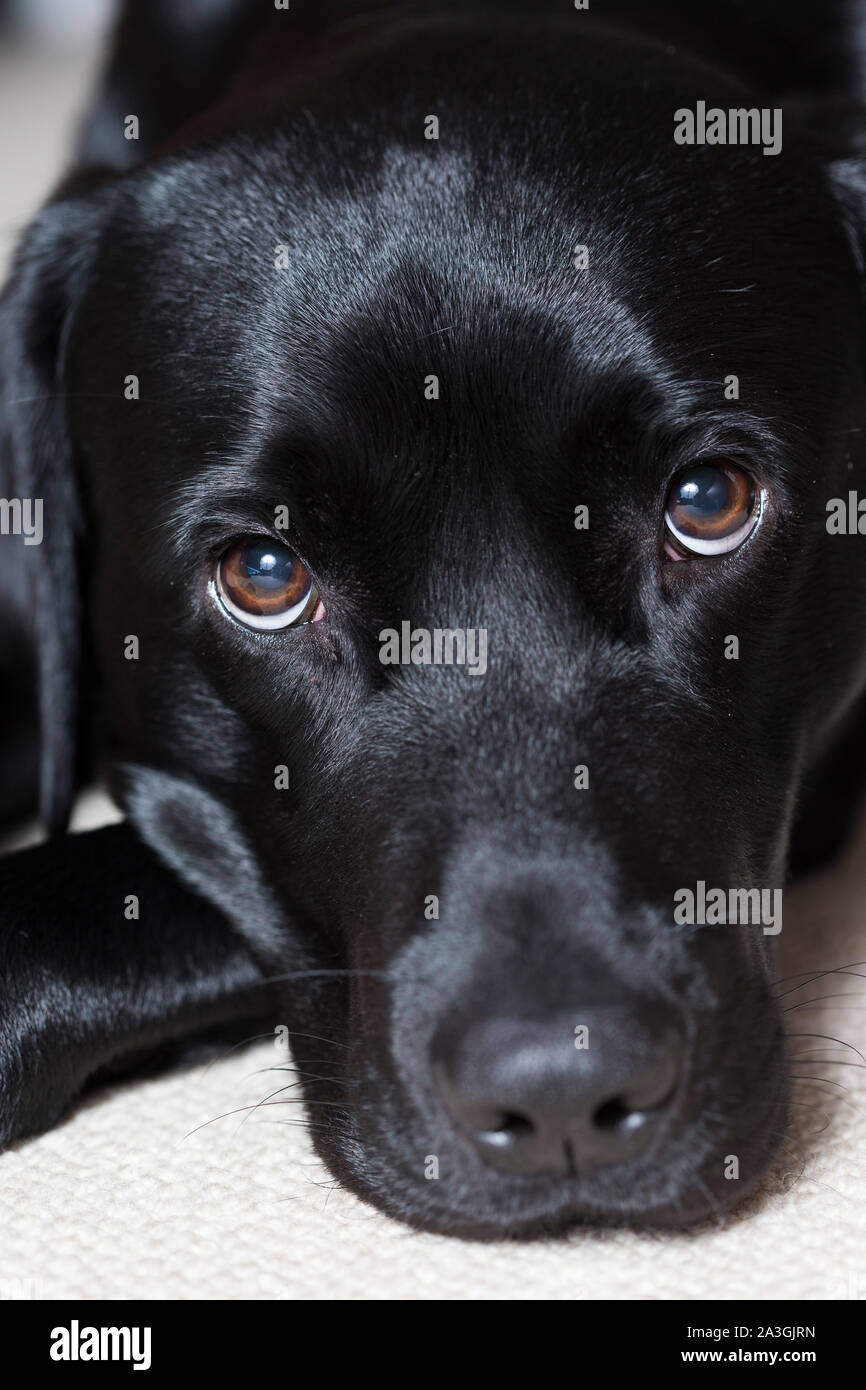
[[49, 53]]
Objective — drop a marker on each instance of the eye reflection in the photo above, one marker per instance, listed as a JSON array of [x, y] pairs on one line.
[[266, 586], [711, 508]]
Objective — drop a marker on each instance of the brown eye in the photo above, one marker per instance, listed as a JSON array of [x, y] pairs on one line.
[[265, 586], [712, 507]]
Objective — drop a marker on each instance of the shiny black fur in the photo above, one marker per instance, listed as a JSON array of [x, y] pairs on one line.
[[306, 387]]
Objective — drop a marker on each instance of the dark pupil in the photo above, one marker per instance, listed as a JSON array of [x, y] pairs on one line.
[[268, 567], [704, 492]]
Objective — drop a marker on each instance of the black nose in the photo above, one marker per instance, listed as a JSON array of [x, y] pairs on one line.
[[560, 1094]]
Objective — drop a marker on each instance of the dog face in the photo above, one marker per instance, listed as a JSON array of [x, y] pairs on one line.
[[512, 1031]]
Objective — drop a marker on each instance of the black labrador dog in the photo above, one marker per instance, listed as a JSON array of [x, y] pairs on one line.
[[431, 444]]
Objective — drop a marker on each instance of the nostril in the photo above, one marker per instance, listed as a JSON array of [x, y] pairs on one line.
[[614, 1117], [623, 1115], [510, 1130]]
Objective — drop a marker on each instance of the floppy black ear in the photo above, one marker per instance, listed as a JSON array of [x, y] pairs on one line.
[[840, 131], [40, 580], [848, 177]]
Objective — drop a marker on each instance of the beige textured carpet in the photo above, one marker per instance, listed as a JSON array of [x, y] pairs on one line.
[[145, 1192]]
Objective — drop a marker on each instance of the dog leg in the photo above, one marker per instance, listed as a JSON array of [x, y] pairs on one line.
[[105, 958]]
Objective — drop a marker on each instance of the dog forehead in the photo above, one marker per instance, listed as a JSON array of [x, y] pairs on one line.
[[495, 156], [581, 120], [319, 279], [310, 239], [367, 389]]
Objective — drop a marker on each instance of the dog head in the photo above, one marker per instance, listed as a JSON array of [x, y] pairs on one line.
[[341, 402]]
